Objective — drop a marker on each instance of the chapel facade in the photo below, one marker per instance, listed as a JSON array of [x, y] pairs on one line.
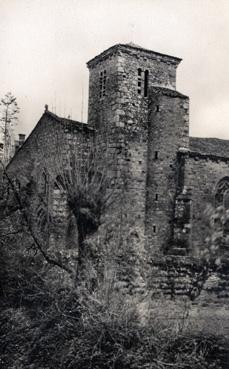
[[168, 177], [172, 177]]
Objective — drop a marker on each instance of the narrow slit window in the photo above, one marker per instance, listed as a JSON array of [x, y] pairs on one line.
[[156, 154], [156, 197], [102, 83], [157, 108], [139, 81], [146, 80], [44, 183], [154, 229]]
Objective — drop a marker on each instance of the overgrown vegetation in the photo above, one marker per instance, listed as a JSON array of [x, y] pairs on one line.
[[79, 180], [217, 240], [50, 326]]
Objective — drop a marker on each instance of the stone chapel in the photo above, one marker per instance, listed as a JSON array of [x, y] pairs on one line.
[[168, 177]]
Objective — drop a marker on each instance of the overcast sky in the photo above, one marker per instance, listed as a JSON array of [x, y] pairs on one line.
[[44, 45]]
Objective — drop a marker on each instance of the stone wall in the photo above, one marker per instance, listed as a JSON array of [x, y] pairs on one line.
[[121, 121], [189, 289], [39, 164], [201, 174], [122, 111], [48, 147], [168, 130], [201, 282], [141, 132], [122, 100]]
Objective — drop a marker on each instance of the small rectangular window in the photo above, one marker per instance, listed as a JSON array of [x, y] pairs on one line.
[[154, 229], [156, 197], [157, 108], [156, 154]]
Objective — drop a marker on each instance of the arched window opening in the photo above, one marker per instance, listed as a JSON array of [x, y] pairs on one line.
[[226, 200], [60, 199], [221, 224], [146, 80], [222, 193]]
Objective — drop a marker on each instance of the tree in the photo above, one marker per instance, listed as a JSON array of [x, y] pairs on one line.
[[8, 119], [47, 326], [81, 179]]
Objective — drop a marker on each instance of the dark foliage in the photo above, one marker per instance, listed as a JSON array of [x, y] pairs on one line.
[[45, 326]]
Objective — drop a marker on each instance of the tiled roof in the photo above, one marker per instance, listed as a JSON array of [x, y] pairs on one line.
[[128, 47], [211, 146], [167, 92]]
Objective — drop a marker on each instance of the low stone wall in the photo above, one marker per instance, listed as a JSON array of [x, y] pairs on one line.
[[189, 291], [188, 276]]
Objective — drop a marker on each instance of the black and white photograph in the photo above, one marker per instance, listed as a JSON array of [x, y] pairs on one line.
[[114, 184]]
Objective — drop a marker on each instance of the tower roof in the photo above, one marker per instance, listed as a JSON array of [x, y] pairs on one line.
[[134, 50]]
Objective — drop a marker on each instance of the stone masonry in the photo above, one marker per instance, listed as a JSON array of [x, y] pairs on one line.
[[164, 178]]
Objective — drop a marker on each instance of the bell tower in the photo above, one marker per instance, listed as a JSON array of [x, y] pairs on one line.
[[132, 95], [119, 83]]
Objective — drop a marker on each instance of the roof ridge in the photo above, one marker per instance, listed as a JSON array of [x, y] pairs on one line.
[[131, 45], [209, 138], [55, 116], [134, 45], [167, 91], [69, 121]]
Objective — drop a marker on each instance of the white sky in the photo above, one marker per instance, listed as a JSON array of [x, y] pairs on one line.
[[44, 45]]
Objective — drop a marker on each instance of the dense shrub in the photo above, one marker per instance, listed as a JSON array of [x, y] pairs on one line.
[[46, 327]]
